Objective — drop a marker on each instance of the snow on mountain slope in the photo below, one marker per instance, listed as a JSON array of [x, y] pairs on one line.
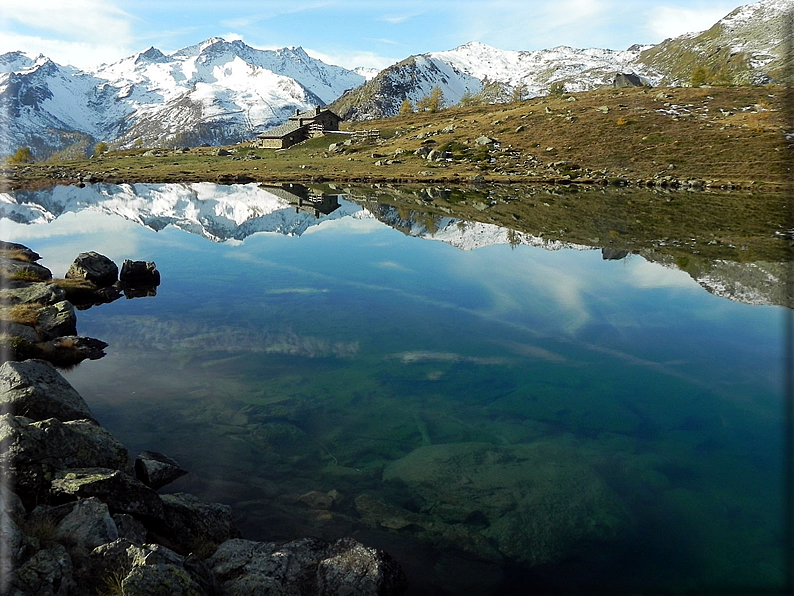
[[579, 69], [749, 45]]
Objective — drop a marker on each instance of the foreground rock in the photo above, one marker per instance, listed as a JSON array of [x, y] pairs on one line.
[[307, 566], [36, 390]]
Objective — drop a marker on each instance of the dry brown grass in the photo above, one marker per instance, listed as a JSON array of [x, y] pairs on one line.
[[16, 255], [24, 314], [724, 133]]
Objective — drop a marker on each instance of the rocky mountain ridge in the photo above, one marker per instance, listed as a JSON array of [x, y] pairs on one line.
[[747, 46]]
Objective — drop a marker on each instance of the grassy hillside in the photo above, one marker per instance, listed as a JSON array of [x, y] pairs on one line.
[[640, 136]]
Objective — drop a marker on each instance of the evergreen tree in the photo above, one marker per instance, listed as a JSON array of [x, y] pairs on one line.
[[407, 107]]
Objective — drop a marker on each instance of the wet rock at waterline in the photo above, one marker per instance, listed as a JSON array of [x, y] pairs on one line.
[[57, 320], [33, 452], [139, 273], [156, 470], [120, 491], [95, 268], [36, 390]]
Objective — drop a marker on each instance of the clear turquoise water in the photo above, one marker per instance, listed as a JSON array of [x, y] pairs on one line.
[[456, 404]]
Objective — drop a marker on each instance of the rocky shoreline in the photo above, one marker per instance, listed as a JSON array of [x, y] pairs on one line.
[[79, 516]]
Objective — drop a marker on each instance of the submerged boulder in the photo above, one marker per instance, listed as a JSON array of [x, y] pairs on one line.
[[537, 503]]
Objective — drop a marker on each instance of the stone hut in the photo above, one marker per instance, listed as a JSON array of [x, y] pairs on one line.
[[299, 127]]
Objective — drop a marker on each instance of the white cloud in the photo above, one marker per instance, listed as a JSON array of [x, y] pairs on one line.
[[75, 53], [671, 21], [353, 58], [78, 32], [652, 275], [397, 19]]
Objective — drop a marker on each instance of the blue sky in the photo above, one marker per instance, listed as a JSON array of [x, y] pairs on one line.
[[374, 33]]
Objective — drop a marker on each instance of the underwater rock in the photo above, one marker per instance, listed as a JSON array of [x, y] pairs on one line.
[[537, 503], [36, 390]]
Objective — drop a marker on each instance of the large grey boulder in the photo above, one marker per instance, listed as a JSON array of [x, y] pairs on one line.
[[95, 268], [87, 525], [122, 493], [57, 320], [306, 566], [32, 452], [190, 522], [144, 570], [538, 503], [47, 573], [36, 390]]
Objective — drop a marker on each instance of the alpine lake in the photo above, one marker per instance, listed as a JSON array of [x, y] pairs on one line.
[[510, 390]]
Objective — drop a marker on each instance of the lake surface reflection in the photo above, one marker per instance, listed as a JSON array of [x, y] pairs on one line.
[[504, 412]]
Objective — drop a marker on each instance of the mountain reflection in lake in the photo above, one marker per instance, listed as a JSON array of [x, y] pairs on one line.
[[525, 415]]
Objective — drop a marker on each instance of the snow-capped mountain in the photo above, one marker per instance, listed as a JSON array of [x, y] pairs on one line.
[[746, 46], [215, 92], [470, 67], [223, 92]]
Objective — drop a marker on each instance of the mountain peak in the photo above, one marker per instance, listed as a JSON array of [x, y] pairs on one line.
[[151, 55]]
